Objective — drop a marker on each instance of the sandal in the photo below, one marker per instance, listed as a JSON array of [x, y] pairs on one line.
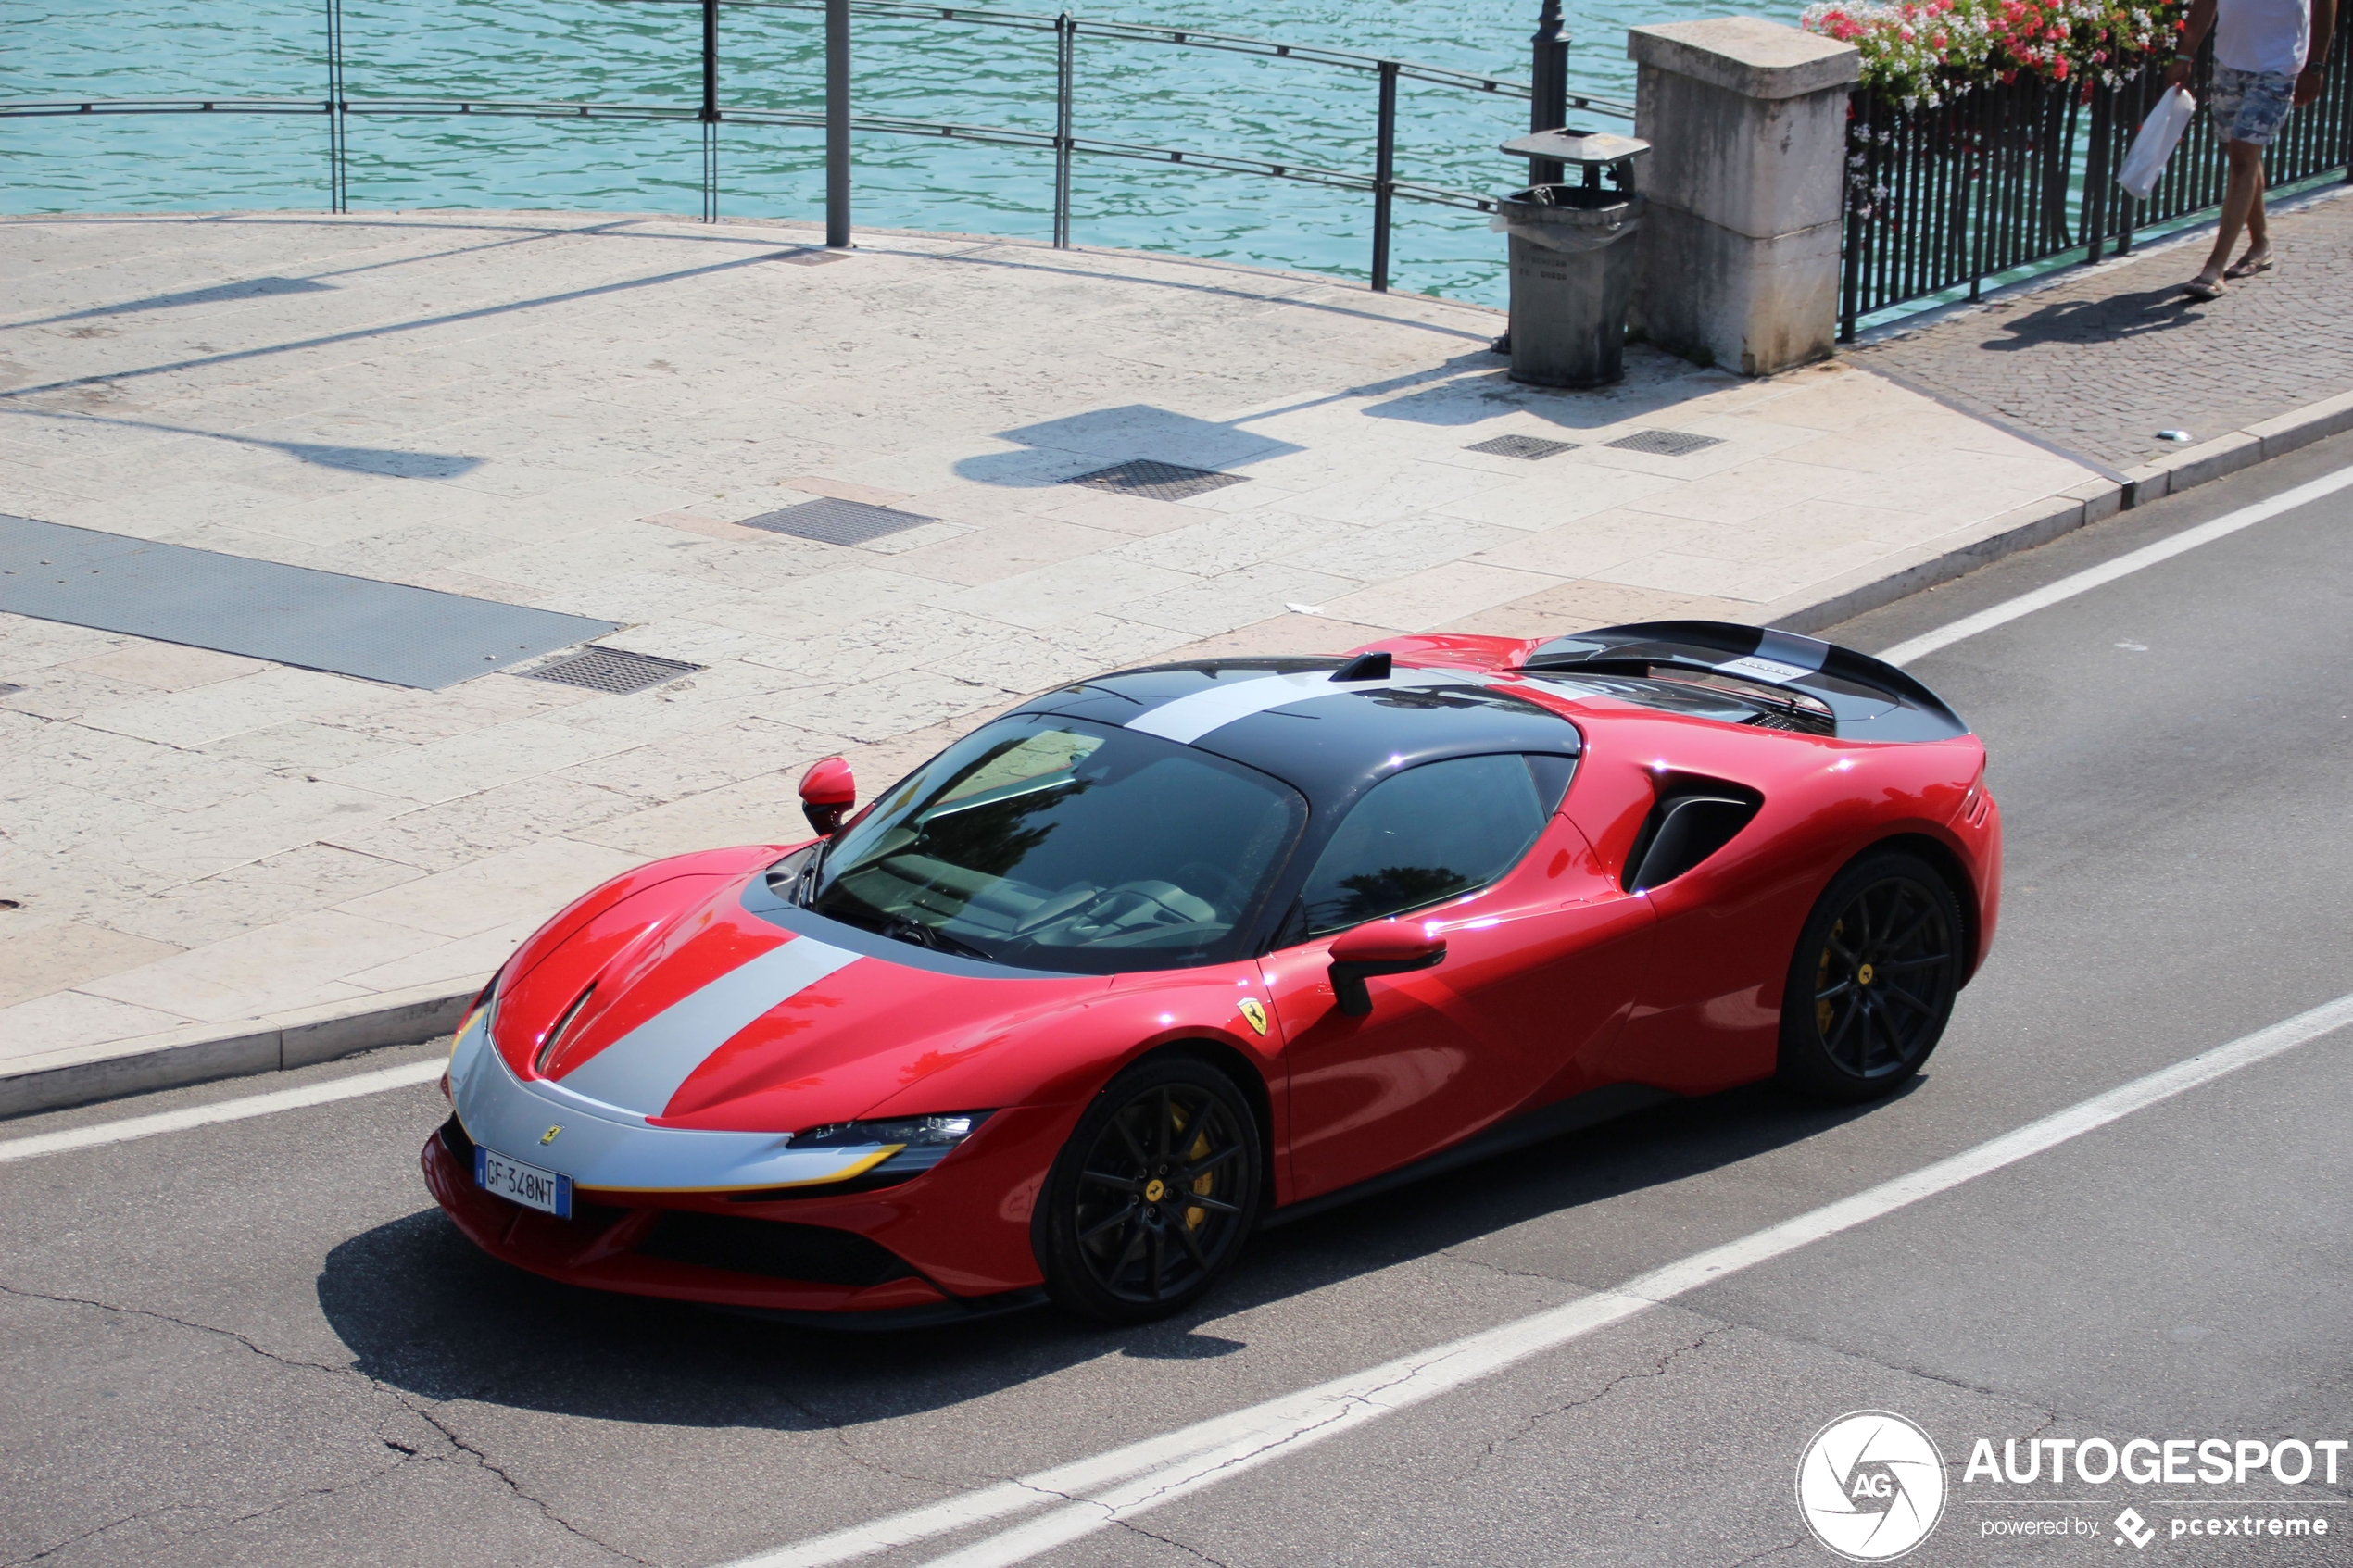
[[2198, 288], [2247, 267]]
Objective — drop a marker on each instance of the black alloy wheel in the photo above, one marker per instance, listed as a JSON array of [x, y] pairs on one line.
[[1872, 982], [1150, 1200]]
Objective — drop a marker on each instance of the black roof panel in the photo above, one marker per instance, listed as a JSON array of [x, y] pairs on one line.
[[1332, 740]]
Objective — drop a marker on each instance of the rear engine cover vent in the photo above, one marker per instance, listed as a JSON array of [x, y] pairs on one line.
[[1155, 480], [1663, 443], [1528, 446], [830, 522], [611, 670]]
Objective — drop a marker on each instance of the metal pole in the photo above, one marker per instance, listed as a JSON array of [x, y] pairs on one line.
[[1065, 58], [2098, 186], [338, 153], [1548, 79], [711, 111], [1384, 174], [1855, 230], [2341, 73], [837, 124]]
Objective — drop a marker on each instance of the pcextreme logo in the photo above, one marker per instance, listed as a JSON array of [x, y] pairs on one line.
[[1871, 1486]]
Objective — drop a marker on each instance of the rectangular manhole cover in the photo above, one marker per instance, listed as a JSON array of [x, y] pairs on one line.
[[1528, 446], [830, 522], [1155, 480], [611, 670], [1663, 443]]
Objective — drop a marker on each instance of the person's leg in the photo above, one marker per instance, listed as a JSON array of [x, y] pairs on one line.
[[2239, 197], [2259, 228], [2263, 108]]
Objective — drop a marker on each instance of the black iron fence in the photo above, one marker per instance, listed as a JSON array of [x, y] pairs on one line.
[[1945, 198], [1549, 99]]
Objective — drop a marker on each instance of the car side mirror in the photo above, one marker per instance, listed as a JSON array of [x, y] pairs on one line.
[[1382, 946], [827, 792]]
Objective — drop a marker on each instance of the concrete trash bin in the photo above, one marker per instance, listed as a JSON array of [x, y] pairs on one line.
[[1572, 274]]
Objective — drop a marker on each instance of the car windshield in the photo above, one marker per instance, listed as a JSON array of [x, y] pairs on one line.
[[1054, 844]]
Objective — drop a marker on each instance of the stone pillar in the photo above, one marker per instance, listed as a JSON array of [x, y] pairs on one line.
[[1738, 251]]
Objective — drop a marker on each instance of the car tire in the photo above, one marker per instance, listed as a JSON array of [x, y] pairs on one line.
[[1871, 984], [1150, 1202]]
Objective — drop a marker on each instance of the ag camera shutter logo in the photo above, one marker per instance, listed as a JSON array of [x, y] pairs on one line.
[[1871, 1486]]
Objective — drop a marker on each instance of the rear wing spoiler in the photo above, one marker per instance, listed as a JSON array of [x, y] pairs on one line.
[[1868, 698]]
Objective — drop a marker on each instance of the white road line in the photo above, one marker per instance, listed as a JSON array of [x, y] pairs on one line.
[[132, 1127], [2122, 566], [1124, 1483]]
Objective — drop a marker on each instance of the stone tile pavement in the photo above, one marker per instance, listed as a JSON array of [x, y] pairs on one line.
[[578, 413], [2103, 357]]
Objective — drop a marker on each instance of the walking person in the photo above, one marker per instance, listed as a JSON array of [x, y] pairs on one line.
[[2267, 56]]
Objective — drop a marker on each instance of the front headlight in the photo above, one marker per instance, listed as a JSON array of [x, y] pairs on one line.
[[484, 1007], [922, 1141]]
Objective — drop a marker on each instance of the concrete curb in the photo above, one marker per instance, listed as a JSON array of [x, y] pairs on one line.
[[2044, 521], [206, 1053], [203, 1053]]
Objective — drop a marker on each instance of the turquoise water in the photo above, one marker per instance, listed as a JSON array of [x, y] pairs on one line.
[[648, 50]]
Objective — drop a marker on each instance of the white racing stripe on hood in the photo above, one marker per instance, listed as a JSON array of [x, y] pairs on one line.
[[643, 1068], [1189, 718]]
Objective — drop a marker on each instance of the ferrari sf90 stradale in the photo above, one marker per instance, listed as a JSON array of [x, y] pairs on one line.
[[1083, 1000]]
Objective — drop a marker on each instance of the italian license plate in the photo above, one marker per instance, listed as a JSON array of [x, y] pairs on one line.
[[526, 1185]]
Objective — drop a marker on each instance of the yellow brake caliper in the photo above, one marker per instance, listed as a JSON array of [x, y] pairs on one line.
[[1822, 1010], [1195, 1216]]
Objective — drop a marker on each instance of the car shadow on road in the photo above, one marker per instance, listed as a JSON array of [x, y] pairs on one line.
[[423, 1310]]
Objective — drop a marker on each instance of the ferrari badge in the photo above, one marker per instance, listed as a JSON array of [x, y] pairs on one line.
[[1255, 1012], [550, 1135]]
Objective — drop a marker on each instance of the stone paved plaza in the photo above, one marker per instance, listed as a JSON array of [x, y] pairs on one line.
[[2102, 358], [577, 413]]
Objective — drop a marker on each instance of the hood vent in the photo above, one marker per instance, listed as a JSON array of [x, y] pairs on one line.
[[555, 1037]]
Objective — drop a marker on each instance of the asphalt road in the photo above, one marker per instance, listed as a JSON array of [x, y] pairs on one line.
[[259, 1343]]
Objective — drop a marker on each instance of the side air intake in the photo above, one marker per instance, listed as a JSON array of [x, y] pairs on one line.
[[1694, 819]]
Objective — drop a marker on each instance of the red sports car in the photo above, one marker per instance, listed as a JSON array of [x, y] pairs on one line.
[[1163, 955]]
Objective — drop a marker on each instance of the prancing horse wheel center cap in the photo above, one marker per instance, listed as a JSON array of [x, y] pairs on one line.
[[1155, 1190], [1863, 976]]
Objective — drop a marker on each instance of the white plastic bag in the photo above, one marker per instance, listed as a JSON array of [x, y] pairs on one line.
[[2159, 134]]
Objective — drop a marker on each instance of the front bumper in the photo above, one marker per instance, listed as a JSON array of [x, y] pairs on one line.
[[606, 1246], [739, 1220]]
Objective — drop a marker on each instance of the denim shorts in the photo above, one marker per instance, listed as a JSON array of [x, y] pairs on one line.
[[2249, 106]]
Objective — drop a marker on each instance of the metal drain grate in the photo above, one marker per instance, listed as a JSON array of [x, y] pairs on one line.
[[809, 257], [1528, 446], [1663, 443], [611, 670], [1155, 480], [830, 522]]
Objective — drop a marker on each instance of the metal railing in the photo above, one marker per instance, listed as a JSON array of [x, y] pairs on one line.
[[1550, 102], [2020, 173]]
